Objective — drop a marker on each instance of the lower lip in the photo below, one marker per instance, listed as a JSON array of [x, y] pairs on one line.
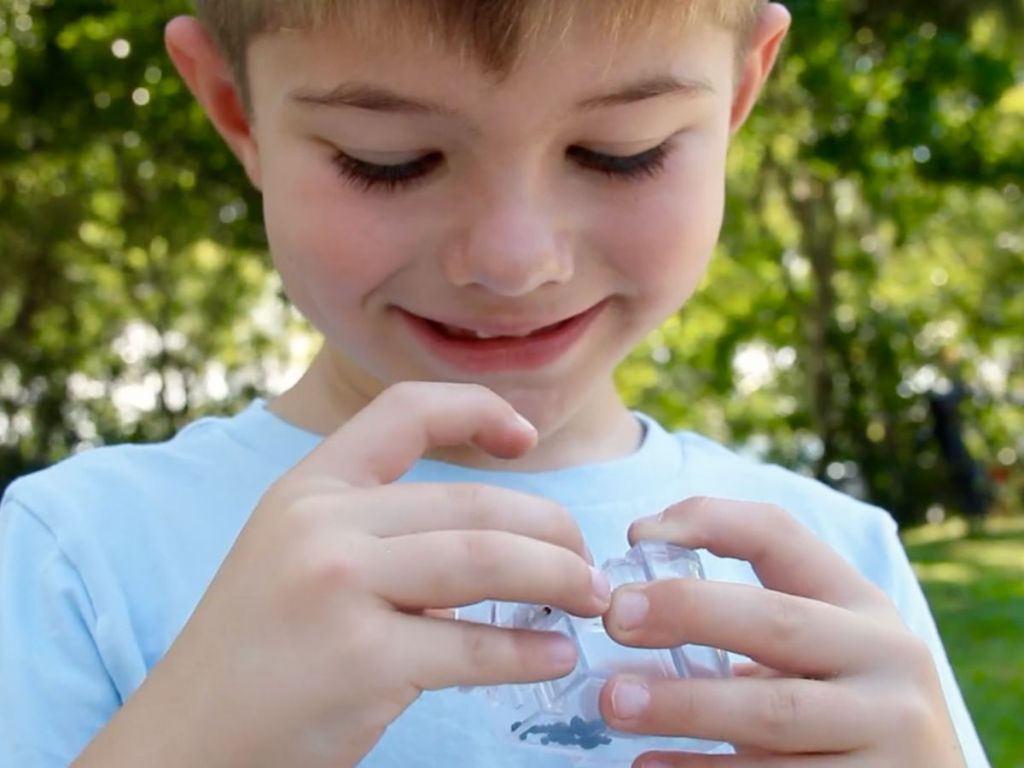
[[490, 355]]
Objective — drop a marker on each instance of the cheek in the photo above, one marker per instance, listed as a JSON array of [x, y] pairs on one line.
[[331, 243], [663, 237]]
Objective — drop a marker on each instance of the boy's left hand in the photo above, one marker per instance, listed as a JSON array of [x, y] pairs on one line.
[[838, 681]]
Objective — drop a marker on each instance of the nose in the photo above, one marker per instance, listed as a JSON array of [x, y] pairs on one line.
[[508, 243]]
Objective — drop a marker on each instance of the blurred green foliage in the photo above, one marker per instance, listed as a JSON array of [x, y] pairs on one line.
[[872, 253], [872, 250], [976, 590]]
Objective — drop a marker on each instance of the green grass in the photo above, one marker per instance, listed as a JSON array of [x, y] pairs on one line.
[[976, 590]]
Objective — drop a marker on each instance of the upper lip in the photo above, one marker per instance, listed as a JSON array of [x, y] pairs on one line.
[[494, 325]]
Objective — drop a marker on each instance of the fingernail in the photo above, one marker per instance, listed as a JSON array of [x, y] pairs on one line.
[[602, 587], [631, 609], [524, 423], [630, 699]]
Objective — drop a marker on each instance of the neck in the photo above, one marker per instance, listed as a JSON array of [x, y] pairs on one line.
[[599, 428]]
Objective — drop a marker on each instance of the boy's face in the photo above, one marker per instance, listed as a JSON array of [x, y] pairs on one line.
[[514, 211]]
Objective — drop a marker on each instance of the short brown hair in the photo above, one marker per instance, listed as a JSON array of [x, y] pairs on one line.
[[494, 32]]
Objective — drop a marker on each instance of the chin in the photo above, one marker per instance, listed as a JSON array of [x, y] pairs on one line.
[[547, 408]]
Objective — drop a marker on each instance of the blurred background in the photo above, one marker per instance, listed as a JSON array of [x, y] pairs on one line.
[[863, 321]]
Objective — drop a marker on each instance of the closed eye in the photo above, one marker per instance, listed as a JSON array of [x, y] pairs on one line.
[[646, 163], [371, 176], [390, 178]]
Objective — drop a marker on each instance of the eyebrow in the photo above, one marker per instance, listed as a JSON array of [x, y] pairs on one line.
[[377, 99]]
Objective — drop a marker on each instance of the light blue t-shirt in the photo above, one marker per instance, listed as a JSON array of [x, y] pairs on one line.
[[104, 556]]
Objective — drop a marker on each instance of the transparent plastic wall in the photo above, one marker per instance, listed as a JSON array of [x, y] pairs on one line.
[[562, 715]]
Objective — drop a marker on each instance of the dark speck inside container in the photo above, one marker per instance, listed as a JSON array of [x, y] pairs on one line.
[[585, 734]]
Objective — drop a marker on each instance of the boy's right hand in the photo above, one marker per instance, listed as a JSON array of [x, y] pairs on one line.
[[321, 625]]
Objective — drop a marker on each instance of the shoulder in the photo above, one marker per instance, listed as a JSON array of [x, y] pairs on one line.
[[747, 477], [117, 470], [119, 542], [863, 532], [123, 493]]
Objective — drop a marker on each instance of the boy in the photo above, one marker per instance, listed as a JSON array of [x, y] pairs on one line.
[[482, 207]]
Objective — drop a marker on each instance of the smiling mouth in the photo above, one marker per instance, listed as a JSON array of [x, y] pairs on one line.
[[481, 353], [455, 332]]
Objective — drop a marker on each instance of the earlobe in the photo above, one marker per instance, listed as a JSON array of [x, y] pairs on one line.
[[210, 80], [763, 50]]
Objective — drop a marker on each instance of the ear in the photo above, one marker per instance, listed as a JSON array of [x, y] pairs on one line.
[[204, 70], [762, 50]]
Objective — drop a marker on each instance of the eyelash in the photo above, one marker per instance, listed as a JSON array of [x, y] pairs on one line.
[[390, 178]]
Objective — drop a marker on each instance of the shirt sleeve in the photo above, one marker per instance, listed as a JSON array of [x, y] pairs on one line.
[[906, 593], [55, 691]]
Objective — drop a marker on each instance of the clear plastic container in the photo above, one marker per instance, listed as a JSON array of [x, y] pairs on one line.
[[562, 715]]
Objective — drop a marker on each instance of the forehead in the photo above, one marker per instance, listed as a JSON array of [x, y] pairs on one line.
[[575, 62]]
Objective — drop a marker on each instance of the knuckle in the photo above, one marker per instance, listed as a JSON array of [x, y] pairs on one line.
[[875, 595], [668, 514], [472, 390], [405, 395], [783, 620], [914, 654], [698, 513], [307, 523], [479, 551], [686, 705], [911, 716], [682, 594], [696, 505], [877, 603], [362, 640], [331, 570], [780, 709], [778, 517], [479, 389], [773, 524], [469, 497], [283, 496], [476, 647]]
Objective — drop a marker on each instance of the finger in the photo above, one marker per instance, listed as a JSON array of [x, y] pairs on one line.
[[383, 440], [449, 569], [691, 760], [440, 613], [788, 715], [794, 634], [447, 654], [407, 508], [786, 555]]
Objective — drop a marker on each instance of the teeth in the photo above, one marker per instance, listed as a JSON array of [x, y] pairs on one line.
[[464, 333]]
